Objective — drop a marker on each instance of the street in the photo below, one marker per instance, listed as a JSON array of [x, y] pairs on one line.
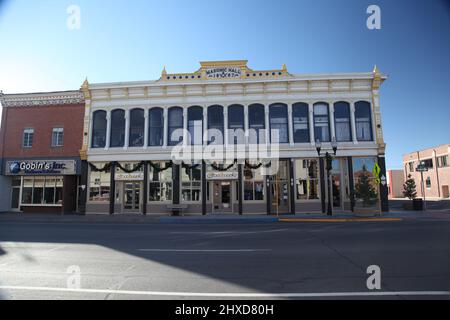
[[41, 260]]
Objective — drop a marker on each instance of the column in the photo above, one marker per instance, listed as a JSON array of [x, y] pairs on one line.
[[268, 196], [83, 187], [112, 188], [185, 126], [292, 185], [166, 128], [146, 121], [108, 129], [239, 190], [176, 183], [246, 124], [145, 190], [332, 126], [351, 183], [225, 125], [204, 186], [322, 184], [127, 129], [353, 122], [290, 125], [205, 126], [384, 190], [311, 124], [267, 111]]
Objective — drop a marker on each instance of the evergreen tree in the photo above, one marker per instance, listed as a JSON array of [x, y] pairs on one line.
[[409, 188], [364, 189]]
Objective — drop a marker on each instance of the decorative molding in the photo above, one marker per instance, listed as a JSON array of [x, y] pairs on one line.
[[42, 99]]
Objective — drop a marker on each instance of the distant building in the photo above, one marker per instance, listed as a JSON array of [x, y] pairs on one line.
[[436, 181], [395, 181]]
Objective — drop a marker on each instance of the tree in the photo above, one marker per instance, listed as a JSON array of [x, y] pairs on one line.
[[364, 189], [409, 188]]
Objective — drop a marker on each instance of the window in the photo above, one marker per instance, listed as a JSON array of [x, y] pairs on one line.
[[195, 125], [42, 191], [363, 120], [342, 121], [215, 125], [411, 166], [160, 182], [99, 129], [57, 137], [257, 124], [366, 190], [443, 161], [321, 122], [175, 131], [428, 183], [300, 118], [156, 127], [253, 185], [191, 184], [279, 123], [28, 135], [428, 163], [117, 135], [307, 179], [236, 126], [137, 128], [99, 185]]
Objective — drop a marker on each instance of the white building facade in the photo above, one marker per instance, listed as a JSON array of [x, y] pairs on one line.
[[135, 133]]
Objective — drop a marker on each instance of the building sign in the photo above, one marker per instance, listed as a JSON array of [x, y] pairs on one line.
[[226, 175], [134, 176], [223, 72], [41, 167]]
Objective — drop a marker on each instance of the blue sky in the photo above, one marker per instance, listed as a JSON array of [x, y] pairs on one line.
[[133, 40]]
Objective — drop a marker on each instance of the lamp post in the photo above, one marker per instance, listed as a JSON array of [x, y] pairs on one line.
[[329, 167]]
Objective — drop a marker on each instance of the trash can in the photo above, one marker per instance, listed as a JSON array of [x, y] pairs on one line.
[[418, 204]]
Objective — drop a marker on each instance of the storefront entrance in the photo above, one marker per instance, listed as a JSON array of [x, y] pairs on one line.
[[279, 186], [222, 197], [131, 202], [339, 184]]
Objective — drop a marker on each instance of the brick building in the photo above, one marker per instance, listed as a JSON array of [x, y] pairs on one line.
[[41, 135], [436, 180]]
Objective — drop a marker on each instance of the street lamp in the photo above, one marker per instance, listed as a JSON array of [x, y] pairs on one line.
[[329, 167]]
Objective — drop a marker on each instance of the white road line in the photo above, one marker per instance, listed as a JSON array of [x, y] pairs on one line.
[[205, 250], [235, 295]]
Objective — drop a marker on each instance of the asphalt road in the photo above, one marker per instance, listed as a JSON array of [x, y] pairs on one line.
[[219, 261]]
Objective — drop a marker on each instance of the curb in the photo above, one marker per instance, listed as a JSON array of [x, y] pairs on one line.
[[343, 220]]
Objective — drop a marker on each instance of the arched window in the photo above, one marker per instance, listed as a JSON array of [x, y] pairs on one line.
[[215, 125], [137, 127], [195, 125], [321, 122], [278, 116], [342, 121], [156, 127], [175, 131], [257, 124], [300, 116], [99, 129], [117, 138], [236, 125], [363, 120]]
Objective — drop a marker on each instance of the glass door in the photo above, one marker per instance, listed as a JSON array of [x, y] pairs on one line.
[[280, 189], [222, 197], [15, 194], [131, 197]]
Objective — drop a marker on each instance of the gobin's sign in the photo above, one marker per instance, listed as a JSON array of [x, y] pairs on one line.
[[41, 167]]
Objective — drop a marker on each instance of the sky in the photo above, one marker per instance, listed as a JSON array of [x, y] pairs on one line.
[[134, 40]]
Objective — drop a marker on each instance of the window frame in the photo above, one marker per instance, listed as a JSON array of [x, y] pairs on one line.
[[59, 131], [137, 115], [174, 128], [151, 112], [27, 133], [120, 131], [215, 126], [253, 108], [102, 131], [369, 121], [348, 121], [316, 122], [284, 124], [299, 106]]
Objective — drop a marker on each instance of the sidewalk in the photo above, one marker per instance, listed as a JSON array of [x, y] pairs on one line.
[[218, 219]]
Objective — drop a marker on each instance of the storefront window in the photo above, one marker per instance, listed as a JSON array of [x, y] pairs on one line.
[[99, 185], [27, 191], [191, 184], [49, 191], [307, 179], [160, 182], [366, 190], [42, 190], [253, 185]]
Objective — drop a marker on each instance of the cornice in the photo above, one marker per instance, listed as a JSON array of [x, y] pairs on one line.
[[42, 99]]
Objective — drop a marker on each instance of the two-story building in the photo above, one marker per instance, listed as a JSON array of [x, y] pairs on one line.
[[40, 139], [147, 145]]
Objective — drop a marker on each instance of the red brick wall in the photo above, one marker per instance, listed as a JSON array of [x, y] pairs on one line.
[[43, 119]]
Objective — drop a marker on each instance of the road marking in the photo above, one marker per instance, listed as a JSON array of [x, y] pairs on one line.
[[205, 250], [227, 232], [343, 220], [235, 295]]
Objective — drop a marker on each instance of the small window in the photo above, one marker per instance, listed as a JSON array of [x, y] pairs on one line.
[[411, 166], [428, 183], [428, 163], [28, 135], [57, 137]]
